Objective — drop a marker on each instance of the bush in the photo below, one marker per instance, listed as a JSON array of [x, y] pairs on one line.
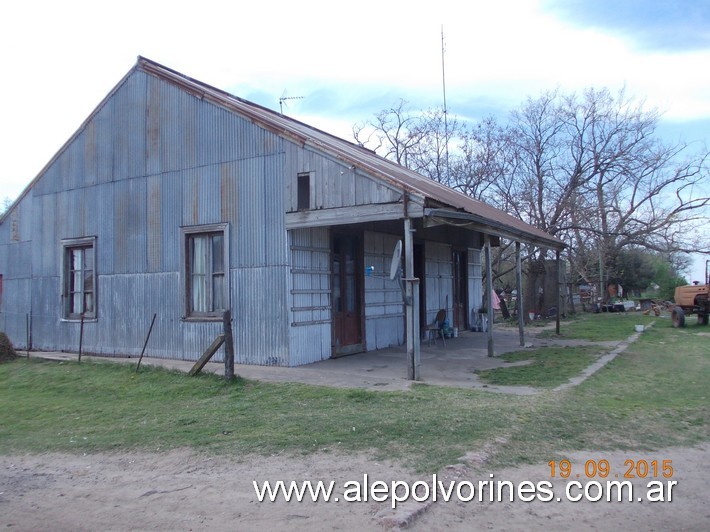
[[7, 351]]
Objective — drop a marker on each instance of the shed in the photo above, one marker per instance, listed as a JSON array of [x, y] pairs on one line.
[[179, 199]]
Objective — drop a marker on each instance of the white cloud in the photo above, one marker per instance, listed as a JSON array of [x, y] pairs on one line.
[[61, 58]]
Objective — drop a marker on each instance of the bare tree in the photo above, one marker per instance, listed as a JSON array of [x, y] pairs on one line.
[[587, 168], [417, 140]]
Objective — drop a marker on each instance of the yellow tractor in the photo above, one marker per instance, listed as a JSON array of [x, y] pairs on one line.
[[692, 299]]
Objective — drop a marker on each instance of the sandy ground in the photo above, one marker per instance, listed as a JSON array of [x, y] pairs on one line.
[[181, 490]]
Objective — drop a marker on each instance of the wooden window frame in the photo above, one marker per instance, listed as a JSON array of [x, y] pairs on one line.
[[68, 247], [188, 235]]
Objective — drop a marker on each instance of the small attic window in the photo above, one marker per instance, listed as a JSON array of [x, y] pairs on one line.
[[304, 192]]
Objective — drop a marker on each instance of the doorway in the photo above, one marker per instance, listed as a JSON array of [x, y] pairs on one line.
[[347, 277]]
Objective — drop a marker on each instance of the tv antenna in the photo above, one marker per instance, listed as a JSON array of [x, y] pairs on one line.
[[285, 98]]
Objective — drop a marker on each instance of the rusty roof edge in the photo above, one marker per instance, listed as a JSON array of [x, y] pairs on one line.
[[500, 229], [221, 97], [214, 95], [353, 154]]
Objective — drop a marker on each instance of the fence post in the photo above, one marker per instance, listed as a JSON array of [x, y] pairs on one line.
[[150, 329], [228, 346], [81, 335]]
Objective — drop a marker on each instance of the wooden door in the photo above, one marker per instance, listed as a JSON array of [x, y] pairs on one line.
[[346, 266]]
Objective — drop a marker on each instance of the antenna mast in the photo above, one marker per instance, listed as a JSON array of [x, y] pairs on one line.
[[446, 124]]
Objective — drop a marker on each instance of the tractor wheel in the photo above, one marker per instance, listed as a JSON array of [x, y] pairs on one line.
[[703, 318], [678, 317]]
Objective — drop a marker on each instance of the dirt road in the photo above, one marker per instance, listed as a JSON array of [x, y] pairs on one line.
[[182, 490]]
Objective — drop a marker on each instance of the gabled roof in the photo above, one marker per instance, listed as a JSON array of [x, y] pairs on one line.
[[444, 203], [447, 202]]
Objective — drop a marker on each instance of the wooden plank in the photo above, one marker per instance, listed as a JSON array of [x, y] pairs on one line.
[[211, 350], [344, 215]]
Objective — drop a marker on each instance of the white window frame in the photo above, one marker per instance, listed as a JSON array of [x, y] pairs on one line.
[[186, 235], [67, 247]]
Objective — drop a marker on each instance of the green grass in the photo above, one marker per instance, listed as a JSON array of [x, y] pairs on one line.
[[549, 366], [653, 395], [605, 326]]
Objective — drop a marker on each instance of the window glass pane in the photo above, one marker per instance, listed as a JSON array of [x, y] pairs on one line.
[[76, 303], [88, 302], [76, 259], [218, 292], [88, 281], [199, 293], [89, 258], [199, 254], [198, 263], [217, 253]]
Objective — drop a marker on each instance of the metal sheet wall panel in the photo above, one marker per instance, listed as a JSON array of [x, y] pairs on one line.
[[15, 307], [384, 310], [129, 128], [46, 304], [333, 184], [260, 316], [309, 296], [46, 243], [129, 226], [206, 165], [106, 225]]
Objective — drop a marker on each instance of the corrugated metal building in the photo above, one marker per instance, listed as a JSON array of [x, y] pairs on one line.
[[178, 199]]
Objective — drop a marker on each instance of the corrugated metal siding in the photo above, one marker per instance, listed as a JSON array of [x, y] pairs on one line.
[[15, 308], [309, 296], [494, 220], [384, 309], [152, 159], [333, 183], [260, 316]]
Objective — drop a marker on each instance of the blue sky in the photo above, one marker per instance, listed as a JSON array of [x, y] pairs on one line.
[[60, 58]]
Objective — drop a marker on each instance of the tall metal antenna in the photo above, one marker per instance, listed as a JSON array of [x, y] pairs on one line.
[[284, 98], [446, 122]]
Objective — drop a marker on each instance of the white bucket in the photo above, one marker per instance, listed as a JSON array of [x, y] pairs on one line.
[[639, 328]]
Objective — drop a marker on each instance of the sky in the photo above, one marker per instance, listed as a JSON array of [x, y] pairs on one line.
[[340, 63]]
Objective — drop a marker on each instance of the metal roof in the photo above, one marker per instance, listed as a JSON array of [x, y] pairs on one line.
[[449, 204], [446, 204]]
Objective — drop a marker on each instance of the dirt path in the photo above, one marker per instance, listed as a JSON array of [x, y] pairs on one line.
[[180, 490]]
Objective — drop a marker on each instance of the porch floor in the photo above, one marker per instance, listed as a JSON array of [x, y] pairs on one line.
[[382, 369]]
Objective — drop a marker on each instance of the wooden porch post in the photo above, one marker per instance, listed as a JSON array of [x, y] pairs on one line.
[[519, 299], [411, 304], [489, 286]]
